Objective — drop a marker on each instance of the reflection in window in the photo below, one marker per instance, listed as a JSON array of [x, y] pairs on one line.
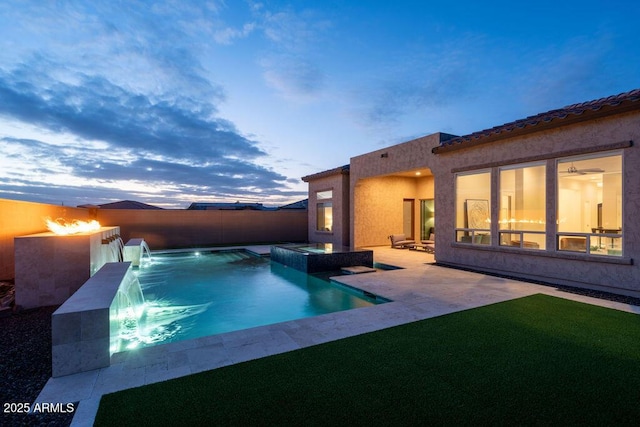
[[522, 206], [589, 210], [427, 218], [473, 211], [322, 195], [324, 210], [325, 217]]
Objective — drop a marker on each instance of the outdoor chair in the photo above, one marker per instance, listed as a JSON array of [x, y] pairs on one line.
[[429, 246], [400, 241]]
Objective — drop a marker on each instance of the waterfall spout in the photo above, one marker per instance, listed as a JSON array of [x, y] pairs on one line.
[[146, 250], [127, 311], [134, 251]]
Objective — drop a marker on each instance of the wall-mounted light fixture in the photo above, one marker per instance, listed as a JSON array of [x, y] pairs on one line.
[[384, 155]]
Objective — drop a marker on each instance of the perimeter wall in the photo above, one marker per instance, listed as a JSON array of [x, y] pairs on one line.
[[161, 229]]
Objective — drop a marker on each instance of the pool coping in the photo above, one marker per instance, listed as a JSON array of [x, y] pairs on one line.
[[418, 292]]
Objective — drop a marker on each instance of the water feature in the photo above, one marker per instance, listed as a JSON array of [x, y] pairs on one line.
[[146, 250], [127, 312], [119, 244], [113, 246]]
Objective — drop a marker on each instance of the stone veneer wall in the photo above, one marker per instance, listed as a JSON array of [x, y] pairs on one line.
[[80, 328], [50, 268], [18, 218]]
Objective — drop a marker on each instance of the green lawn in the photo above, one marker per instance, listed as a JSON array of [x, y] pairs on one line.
[[535, 360]]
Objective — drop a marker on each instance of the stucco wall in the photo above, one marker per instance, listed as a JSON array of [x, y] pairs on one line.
[[339, 184], [379, 207], [612, 273], [163, 229], [377, 190]]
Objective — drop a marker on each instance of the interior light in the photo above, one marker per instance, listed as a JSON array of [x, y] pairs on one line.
[[418, 173]]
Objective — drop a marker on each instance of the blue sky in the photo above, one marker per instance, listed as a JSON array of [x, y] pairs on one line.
[[176, 101]]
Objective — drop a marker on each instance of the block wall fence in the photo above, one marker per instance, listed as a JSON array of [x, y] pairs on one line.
[[161, 229]]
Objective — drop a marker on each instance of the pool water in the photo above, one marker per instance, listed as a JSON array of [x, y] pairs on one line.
[[196, 294]]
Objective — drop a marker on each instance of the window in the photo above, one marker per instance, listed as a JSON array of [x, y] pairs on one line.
[[427, 216], [408, 217], [522, 206], [324, 210], [589, 209], [473, 208], [322, 195]]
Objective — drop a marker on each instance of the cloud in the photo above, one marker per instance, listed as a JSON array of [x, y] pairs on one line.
[[95, 172], [228, 35], [293, 78], [290, 65], [416, 82], [97, 109], [157, 131], [562, 75], [119, 98]]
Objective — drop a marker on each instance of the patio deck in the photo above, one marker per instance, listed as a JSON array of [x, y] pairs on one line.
[[418, 291]]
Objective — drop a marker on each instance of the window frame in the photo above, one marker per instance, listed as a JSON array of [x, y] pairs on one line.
[[584, 242], [322, 203], [469, 235], [522, 243]]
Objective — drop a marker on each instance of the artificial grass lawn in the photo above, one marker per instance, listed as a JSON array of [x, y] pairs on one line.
[[534, 360]]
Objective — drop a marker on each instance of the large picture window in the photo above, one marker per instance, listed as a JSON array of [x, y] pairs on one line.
[[522, 206], [589, 209], [473, 208], [324, 211]]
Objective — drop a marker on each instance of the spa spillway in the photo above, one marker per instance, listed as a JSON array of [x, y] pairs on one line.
[[318, 257]]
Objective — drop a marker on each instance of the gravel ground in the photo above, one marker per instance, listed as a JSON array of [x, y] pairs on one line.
[[25, 367]]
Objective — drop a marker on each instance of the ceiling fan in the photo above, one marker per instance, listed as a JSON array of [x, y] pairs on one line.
[[572, 170]]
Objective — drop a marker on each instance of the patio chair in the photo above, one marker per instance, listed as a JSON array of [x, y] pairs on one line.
[[400, 241], [429, 246]]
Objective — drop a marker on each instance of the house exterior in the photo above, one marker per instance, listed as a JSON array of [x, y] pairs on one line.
[[328, 206], [552, 197]]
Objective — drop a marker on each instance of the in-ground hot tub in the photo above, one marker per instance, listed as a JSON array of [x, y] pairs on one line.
[[317, 257]]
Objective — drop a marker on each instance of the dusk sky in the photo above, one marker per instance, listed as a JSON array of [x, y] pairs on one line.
[[177, 101]]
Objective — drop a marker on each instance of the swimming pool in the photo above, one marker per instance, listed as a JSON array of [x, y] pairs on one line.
[[194, 294]]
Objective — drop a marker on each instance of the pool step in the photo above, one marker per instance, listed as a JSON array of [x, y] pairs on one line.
[[357, 269], [231, 256]]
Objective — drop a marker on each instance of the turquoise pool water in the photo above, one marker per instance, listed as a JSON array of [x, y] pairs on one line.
[[195, 294]]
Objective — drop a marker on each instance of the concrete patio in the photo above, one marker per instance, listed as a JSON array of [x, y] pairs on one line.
[[418, 291]]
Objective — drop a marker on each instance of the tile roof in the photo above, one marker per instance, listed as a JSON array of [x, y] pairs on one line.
[[301, 204], [614, 104], [203, 206], [123, 204]]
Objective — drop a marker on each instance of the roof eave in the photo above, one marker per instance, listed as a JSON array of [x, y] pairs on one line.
[[342, 170], [541, 125]]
